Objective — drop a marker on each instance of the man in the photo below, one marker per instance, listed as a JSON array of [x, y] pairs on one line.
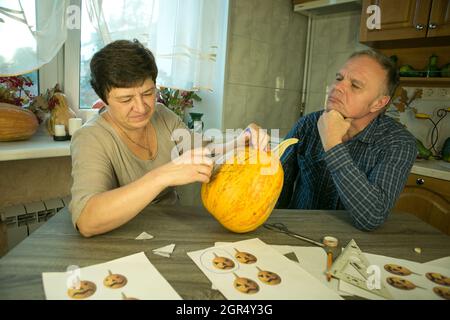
[[351, 156]]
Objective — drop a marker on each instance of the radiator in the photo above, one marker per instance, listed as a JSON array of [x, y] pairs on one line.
[[22, 219]]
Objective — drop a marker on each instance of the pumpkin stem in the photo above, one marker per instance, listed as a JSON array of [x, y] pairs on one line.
[[110, 273], [237, 250], [124, 297], [281, 148], [237, 277], [259, 269], [215, 255]]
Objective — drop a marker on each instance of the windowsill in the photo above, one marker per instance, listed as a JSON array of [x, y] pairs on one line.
[[41, 145]]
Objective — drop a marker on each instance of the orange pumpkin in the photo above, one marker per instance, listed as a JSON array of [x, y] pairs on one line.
[[16, 123], [243, 192]]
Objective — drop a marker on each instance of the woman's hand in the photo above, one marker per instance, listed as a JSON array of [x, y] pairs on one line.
[[192, 166], [255, 136]]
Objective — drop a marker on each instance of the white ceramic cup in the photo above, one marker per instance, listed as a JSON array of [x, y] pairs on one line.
[[74, 125]]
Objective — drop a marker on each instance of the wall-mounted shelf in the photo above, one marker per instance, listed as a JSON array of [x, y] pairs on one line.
[[424, 82], [319, 7]]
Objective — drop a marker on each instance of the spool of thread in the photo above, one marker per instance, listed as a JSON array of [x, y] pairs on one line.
[[331, 246], [330, 242], [74, 125]]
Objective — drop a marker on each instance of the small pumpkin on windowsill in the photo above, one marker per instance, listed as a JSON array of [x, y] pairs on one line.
[[16, 123], [243, 192]]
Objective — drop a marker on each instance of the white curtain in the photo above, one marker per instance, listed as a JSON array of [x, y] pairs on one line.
[[182, 34], [29, 40]]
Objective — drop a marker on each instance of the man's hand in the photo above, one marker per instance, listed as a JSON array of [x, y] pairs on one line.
[[332, 128]]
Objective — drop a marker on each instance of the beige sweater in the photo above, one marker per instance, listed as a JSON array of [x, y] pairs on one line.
[[101, 161]]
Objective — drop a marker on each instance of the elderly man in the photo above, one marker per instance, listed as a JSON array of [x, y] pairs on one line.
[[351, 156]]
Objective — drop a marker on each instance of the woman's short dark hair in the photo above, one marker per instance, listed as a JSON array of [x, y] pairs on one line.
[[392, 76], [121, 64]]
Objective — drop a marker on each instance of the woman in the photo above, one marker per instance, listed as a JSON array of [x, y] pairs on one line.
[[121, 159]]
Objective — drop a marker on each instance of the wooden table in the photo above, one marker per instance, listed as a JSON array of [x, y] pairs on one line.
[[56, 245]]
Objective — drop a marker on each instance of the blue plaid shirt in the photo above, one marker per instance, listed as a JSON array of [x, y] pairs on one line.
[[364, 175]]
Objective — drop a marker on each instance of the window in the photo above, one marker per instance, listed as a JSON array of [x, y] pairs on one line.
[[185, 48]]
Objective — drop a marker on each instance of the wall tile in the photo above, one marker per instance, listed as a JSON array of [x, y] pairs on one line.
[[257, 105], [259, 63], [280, 24], [235, 106], [262, 20], [318, 73], [241, 18], [277, 67], [276, 101], [343, 32], [239, 60]]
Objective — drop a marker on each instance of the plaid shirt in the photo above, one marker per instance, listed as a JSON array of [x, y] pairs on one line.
[[364, 175]]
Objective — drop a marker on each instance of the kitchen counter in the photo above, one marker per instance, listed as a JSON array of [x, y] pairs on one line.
[[432, 168]]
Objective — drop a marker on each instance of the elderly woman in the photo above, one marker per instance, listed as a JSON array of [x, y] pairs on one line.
[[121, 159]]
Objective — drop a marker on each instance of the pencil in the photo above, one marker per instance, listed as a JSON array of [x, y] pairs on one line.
[[329, 263]]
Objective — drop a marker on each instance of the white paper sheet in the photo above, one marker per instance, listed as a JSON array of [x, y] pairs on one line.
[[295, 283], [312, 259], [442, 263], [419, 279], [144, 282]]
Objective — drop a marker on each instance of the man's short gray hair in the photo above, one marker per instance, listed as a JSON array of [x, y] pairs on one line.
[[387, 64]]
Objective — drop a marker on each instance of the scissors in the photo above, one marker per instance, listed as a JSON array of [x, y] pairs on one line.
[[280, 227]]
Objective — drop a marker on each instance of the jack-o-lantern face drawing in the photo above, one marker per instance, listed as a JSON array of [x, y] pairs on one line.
[[438, 278], [115, 281], [245, 257], [124, 297], [398, 270], [222, 263], [245, 285], [83, 290], [400, 283], [268, 277], [442, 292]]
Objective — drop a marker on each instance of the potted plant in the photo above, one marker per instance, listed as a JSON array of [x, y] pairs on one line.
[[177, 100]]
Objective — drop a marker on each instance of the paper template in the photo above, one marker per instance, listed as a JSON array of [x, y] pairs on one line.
[[127, 278], [144, 236], [165, 251], [251, 269], [409, 280]]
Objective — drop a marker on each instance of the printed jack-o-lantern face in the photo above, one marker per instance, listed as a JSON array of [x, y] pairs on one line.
[[438, 278], [124, 297], [398, 270], [268, 277], [400, 283], [245, 257], [245, 285], [442, 292], [222, 263], [115, 281], [83, 290]]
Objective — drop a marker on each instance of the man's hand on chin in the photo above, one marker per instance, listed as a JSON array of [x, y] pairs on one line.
[[332, 128]]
